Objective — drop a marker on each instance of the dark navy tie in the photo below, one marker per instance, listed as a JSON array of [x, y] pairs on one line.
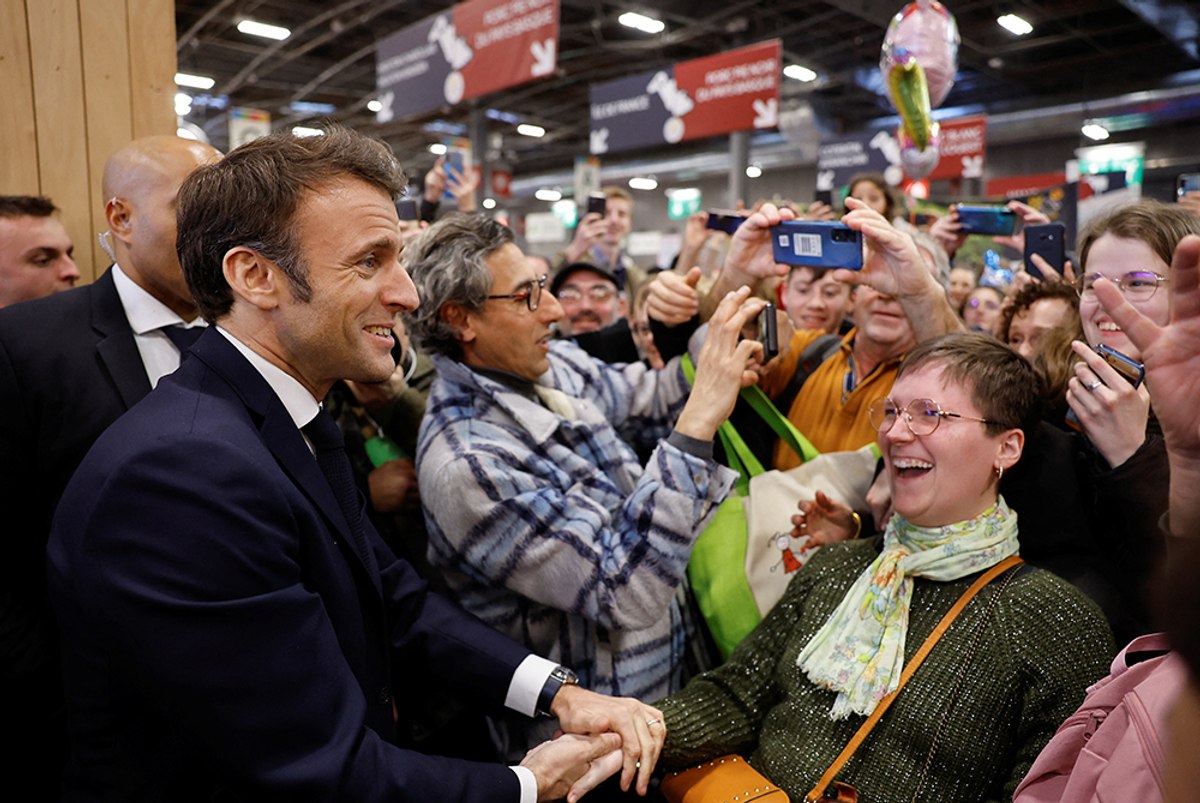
[[330, 446], [183, 338]]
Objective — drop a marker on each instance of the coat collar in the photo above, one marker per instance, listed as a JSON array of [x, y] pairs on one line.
[[115, 344]]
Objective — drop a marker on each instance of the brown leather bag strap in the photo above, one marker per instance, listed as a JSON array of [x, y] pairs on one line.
[[818, 792]]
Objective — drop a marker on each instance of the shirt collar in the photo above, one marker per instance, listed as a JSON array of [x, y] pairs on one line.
[[145, 312], [299, 403]]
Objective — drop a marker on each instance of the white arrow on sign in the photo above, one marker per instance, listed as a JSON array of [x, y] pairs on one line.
[[599, 141], [766, 113], [543, 57]]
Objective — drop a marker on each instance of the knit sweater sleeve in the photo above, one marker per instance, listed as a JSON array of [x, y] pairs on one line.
[[722, 711]]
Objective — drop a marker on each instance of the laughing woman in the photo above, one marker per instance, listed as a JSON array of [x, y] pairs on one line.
[[1010, 668]]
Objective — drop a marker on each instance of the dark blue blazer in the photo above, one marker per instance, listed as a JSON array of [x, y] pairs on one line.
[[226, 637], [69, 367]]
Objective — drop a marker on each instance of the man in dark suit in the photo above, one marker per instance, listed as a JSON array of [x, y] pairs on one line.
[[233, 626], [70, 365]]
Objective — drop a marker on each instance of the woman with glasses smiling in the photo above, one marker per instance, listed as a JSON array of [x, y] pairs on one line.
[[1005, 674], [1120, 457]]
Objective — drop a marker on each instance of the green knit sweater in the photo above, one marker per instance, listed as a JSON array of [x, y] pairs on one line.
[[978, 719]]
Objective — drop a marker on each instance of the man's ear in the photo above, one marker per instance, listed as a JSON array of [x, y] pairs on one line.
[[253, 277], [459, 319], [118, 216]]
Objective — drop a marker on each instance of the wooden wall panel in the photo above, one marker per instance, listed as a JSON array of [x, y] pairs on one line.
[[108, 102], [152, 65], [18, 134], [59, 110]]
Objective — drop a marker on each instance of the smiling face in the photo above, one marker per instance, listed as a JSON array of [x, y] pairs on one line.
[[881, 322], [618, 220], [1112, 257], [589, 301], [962, 282], [815, 304], [505, 335], [948, 475], [35, 258], [349, 239]]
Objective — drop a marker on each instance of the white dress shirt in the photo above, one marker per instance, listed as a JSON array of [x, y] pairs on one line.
[[147, 316]]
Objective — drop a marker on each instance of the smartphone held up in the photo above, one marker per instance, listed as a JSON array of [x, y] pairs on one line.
[[817, 243]]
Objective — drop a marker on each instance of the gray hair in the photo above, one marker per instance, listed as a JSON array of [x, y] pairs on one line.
[[448, 264]]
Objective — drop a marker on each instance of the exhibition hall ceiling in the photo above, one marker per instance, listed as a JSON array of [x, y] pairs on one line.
[[1078, 52]]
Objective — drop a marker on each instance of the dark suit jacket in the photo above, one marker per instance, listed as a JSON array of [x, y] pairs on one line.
[[69, 367], [224, 634]]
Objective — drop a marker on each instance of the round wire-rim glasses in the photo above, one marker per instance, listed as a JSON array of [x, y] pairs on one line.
[[1136, 285], [921, 416], [531, 294]]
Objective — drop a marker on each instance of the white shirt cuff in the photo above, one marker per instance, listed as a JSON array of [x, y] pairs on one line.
[[527, 683], [528, 784]]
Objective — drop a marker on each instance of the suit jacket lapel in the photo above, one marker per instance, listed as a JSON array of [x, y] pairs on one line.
[[115, 345], [281, 436]]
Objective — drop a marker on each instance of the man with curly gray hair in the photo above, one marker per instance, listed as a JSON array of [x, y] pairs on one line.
[[540, 515]]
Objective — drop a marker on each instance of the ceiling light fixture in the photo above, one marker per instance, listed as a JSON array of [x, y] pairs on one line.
[[800, 73], [753, 171], [305, 131], [546, 194], [530, 130], [437, 149], [374, 106], [194, 81], [263, 30], [1014, 24], [631, 19], [1093, 130], [183, 103], [643, 183], [489, 203]]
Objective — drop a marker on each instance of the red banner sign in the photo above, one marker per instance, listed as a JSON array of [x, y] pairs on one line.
[[963, 142]]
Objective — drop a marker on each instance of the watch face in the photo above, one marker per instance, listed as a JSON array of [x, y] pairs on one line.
[[565, 675]]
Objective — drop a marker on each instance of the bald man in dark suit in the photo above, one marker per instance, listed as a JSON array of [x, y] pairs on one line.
[[70, 365]]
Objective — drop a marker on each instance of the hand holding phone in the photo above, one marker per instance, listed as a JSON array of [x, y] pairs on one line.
[[597, 204], [1130, 369]]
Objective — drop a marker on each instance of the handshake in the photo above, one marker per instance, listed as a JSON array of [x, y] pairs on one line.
[[602, 736]]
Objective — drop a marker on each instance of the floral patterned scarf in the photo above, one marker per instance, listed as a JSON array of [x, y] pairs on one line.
[[859, 651]]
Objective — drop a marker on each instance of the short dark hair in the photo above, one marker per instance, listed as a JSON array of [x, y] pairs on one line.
[[1001, 382], [26, 206], [250, 198], [448, 264]]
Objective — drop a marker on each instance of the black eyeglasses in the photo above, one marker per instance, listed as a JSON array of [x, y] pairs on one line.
[[1137, 285], [922, 416], [530, 293]]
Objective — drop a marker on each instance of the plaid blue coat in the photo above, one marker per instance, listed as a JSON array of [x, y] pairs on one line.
[[546, 526]]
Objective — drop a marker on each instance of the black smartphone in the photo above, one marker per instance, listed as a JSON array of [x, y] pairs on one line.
[[1185, 183], [1133, 371], [1047, 240], [407, 209], [597, 203], [768, 332], [986, 219], [824, 196], [726, 220]]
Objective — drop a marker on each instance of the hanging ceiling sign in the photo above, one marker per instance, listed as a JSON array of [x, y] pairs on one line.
[[733, 91], [962, 148], [840, 159], [465, 52]]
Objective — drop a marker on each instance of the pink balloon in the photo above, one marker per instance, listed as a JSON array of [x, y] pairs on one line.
[[927, 30]]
